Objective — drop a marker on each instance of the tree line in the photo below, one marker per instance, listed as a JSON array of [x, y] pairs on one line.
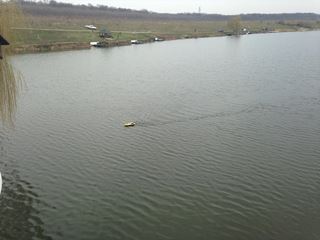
[[54, 8]]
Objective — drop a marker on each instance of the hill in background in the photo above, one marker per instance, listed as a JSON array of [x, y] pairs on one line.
[[52, 22]]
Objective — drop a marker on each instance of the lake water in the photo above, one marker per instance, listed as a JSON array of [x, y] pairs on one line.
[[226, 146]]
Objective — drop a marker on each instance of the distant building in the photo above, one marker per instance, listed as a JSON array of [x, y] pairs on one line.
[[104, 33], [2, 42]]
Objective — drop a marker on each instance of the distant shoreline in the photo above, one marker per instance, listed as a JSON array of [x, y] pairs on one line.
[[55, 26], [69, 46]]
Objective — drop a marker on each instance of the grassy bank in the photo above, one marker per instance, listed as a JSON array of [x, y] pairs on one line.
[[40, 38], [61, 27]]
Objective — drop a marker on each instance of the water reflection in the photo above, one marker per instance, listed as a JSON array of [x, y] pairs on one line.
[[19, 216]]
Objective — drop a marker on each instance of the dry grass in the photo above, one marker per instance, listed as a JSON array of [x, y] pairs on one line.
[[10, 81]]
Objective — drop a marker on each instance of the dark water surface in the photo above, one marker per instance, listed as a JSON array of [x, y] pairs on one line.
[[227, 142]]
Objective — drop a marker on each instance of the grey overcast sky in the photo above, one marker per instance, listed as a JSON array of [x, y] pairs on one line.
[[212, 6]]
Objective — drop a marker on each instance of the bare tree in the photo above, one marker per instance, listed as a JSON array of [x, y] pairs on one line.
[[234, 24]]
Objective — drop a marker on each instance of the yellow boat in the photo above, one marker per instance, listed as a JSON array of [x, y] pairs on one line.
[[130, 124]]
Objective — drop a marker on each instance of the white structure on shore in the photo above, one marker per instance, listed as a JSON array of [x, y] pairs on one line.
[[91, 27]]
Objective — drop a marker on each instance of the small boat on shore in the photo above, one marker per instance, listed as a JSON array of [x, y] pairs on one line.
[[136, 42], [156, 39], [130, 124]]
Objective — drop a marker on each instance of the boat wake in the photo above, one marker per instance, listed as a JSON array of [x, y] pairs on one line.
[[245, 110]]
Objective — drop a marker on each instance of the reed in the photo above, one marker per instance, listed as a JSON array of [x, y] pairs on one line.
[[10, 80]]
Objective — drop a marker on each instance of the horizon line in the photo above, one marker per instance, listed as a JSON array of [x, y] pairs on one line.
[[173, 13]]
